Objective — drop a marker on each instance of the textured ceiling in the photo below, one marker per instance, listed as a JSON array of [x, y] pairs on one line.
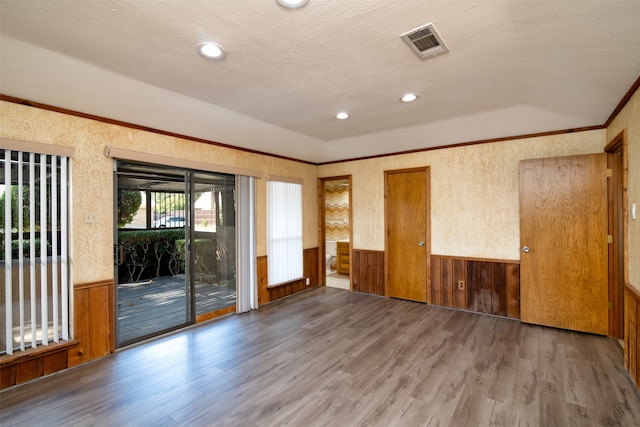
[[514, 67]]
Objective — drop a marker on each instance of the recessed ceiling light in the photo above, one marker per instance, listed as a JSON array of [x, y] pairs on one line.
[[409, 97], [292, 4], [211, 50], [342, 115]]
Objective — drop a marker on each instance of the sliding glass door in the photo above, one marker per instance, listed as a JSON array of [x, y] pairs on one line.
[[214, 248], [175, 251]]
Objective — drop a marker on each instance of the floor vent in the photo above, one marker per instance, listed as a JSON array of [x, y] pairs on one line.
[[425, 41]]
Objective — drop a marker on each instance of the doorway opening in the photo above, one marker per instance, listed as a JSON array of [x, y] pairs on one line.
[[335, 217], [175, 251]]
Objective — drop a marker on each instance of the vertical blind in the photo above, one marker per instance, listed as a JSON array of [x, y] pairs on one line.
[[35, 239], [284, 231], [247, 297]]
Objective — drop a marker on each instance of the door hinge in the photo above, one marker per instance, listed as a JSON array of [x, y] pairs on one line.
[[610, 305], [609, 173], [609, 238]]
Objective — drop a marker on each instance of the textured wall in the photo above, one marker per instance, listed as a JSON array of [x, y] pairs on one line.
[[92, 177], [474, 189], [629, 118], [474, 192]]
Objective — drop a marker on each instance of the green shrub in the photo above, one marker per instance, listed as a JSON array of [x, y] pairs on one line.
[[149, 253], [26, 247], [205, 253]]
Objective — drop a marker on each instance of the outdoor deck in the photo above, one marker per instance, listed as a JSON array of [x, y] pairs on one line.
[[158, 304]]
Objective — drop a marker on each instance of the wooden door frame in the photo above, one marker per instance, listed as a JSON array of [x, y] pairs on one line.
[[322, 264], [427, 198], [616, 291]]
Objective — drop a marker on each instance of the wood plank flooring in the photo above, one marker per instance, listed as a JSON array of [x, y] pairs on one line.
[[328, 357]]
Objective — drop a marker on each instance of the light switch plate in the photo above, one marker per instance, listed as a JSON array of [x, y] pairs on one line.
[[633, 211], [90, 217]]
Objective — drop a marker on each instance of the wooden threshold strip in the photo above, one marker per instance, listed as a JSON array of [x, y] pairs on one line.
[[216, 314]]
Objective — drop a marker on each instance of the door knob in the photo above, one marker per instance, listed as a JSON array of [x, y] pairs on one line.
[[421, 243], [525, 249]]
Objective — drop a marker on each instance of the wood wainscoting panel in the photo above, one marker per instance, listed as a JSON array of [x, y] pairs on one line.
[[310, 271], [631, 336], [471, 284], [55, 362], [23, 366], [458, 273], [311, 266], [262, 271], [94, 324], [513, 290], [498, 289], [438, 280], [479, 285], [367, 271], [29, 370]]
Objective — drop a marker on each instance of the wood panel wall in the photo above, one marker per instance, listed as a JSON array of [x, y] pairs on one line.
[[367, 271], [94, 338], [35, 363], [311, 265], [631, 335], [94, 309], [310, 271], [483, 286]]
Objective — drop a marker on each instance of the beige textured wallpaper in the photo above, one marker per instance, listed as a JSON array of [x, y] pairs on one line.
[[629, 118], [474, 192], [92, 177], [474, 189]]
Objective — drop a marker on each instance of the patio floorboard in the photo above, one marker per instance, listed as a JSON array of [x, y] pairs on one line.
[[158, 304]]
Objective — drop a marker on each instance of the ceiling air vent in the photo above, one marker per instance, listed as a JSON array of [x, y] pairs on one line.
[[425, 41]]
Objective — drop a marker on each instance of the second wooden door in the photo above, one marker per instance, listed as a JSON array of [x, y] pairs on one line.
[[407, 233], [563, 234]]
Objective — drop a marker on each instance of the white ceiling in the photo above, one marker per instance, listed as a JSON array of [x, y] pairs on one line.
[[514, 68]]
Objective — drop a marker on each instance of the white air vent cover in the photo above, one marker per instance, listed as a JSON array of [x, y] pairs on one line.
[[425, 41]]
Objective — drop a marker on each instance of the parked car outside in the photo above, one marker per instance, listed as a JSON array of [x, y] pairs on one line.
[[169, 222]]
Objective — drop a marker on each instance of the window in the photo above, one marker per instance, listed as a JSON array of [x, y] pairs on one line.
[[34, 198], [284, 230]]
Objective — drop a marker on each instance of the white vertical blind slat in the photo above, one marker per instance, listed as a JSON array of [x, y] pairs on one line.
[[7, 252], [54, 248], [64, 248], [32, 248], [247, 298], [21, 248], [44, 301]]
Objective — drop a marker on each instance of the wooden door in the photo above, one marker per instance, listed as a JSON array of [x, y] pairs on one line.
[[407, 233], [563, 238]]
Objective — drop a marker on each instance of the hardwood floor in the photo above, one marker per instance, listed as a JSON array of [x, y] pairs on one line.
[[331, 357]]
